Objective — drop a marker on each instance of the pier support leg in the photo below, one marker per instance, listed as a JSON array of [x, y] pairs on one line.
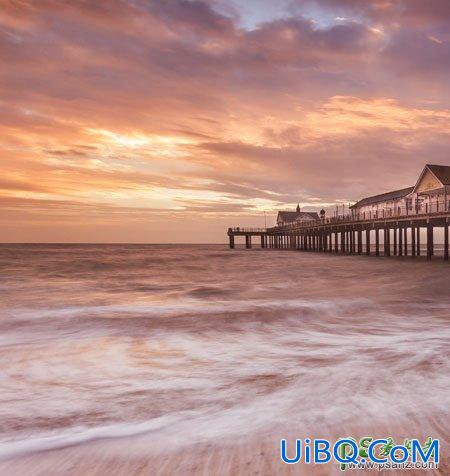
[[388, 236], [400, 241], [343, 241], [263, 245], [248, 241], [395, 240], [387, 244], [406, 240], [430, 243], [413, 241], [367, 242], [359, 242], [377, 242], [231, 242], [418, 241], [336, 246], [446, 241]]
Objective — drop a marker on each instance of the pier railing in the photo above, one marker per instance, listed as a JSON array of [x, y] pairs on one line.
[[432, 209], [247, 230]]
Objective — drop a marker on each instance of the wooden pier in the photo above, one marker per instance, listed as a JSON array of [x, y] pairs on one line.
[[354, 235]]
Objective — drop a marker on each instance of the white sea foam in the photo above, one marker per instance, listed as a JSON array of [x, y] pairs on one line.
[[210, 347]]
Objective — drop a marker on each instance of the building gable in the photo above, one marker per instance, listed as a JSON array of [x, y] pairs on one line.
[[427, 182]]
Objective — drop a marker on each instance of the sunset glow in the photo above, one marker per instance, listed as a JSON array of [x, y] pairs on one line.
[[167, 121]]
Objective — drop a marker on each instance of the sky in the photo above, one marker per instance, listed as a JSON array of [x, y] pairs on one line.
[[167, 121]]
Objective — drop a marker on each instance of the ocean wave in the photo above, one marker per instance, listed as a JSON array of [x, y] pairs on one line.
[[192, 306], [76, 436]]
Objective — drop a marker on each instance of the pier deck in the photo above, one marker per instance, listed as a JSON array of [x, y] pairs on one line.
[[354, 234]]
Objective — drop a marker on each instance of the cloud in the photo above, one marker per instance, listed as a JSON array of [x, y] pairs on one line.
[[416, 11], [182, 106]]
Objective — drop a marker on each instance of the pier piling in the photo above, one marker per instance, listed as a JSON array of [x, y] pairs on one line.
[[446, 239], [346, 236]]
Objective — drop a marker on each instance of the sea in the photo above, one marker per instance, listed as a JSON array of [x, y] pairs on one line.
[[198, 359]]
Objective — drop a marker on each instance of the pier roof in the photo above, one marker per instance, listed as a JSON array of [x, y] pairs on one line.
[[383, 197], [292, 216]]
